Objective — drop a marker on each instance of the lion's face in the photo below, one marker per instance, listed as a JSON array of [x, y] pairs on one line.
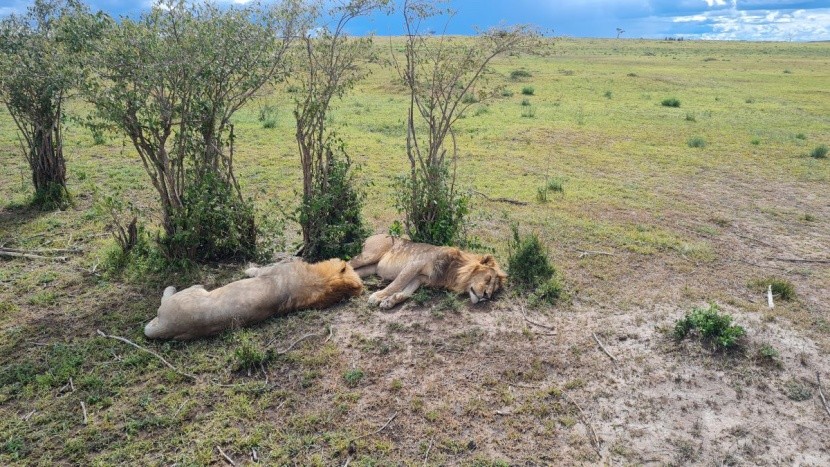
[[485, 280]]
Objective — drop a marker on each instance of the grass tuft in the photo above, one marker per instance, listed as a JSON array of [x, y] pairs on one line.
[[696, 142], [528, 91], [670, 102], [820, 152]]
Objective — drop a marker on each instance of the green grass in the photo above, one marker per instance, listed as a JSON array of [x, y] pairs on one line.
[[634, 189]]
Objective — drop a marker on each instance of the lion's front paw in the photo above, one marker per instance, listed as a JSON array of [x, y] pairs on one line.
[[375, 298], [387, 303]]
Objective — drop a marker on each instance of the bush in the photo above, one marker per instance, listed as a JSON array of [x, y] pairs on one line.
[[353, 377], [528, 265], [528, 90], [696, 142], [820, 152], [781, 288], [517, 75], [670, 102], [712, 327], [331, 217], [433, 211], [213, 224], [556, 185], [248, 354]]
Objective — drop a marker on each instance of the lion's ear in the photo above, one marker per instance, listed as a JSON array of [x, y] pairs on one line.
[[488, 260], [345, 266]]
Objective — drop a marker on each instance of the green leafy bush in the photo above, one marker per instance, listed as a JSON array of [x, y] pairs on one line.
[[331, 216], [529, 268], [528, 91], [214, 223], [820, 152], [712, 326], [696, 142], [434, 212], [670, 102], [517, 75]]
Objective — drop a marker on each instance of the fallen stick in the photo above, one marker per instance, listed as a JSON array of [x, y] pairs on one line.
[[769, 297], [583, 253], [501, 200], [13, 254], [227, 458], [821, 393], [83, 408], [603, 348], [26, 417], [376, 431], [800, 260], [594, 438], [42, 251], [127, 341], [293, 344], [532, 322], [426, 456]]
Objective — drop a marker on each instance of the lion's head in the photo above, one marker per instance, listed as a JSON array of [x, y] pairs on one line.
[[481, 278]]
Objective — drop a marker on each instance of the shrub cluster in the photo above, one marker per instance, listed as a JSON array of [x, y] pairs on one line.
[[529, 268], [711, 326]]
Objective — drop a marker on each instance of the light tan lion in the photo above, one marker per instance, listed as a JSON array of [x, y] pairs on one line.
[[409, 265], [273, 290]]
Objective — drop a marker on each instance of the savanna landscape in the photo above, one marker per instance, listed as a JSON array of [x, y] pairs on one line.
[[662, 176]]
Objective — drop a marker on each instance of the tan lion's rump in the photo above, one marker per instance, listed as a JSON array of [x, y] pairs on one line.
[[274, 290]]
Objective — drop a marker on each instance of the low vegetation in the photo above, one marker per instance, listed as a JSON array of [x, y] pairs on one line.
[[710, 326]]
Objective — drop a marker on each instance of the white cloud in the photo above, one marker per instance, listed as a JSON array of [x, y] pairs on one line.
[[762, 25]]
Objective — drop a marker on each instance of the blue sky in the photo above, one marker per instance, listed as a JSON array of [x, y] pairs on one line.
[[781, 20]]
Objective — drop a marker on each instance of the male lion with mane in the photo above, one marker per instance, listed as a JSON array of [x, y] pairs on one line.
[[272, 290], [409, 265]]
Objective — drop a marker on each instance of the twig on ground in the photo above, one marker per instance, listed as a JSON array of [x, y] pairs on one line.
[[426, 456], [376, 431], [254, 455], [614, 359], [583, 253], [800, 260], [227, 458], [282, 352], [13, 254], [594, 438], [821, 393], [501, 200], [42, 251], [71, 385], [26, 417], [769, 297], [755, 240], [83, 408], [348, 461], [127, 341], [524, 315]]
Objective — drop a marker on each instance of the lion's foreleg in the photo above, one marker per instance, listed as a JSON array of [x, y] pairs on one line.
[[406, 276], [398, 297], [366, 271]]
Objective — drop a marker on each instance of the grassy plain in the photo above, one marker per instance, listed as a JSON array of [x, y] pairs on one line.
[[663, 209]]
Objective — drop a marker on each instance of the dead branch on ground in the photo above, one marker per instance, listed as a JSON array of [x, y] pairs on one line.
[[501, 200], [227, 458], [821, 393], [614, 359], [127, 341]]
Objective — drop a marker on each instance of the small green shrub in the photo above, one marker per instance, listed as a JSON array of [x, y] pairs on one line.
[[528, 265], [517, 75], [549, 292], [781, 288], [820, 152], [528, 91], [525, 102], [768, 354], [690, 117], [712, 326], [608, 94], [529, 112], [248, 353], [755, 141], [542, 194], [470, 98], [506, 93], [801, 136], [797, 391], [670, 102], [353, 377], [556, 185], [696, 142]]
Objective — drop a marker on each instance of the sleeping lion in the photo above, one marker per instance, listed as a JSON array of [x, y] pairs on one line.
[[409, 265], [273, 290]]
